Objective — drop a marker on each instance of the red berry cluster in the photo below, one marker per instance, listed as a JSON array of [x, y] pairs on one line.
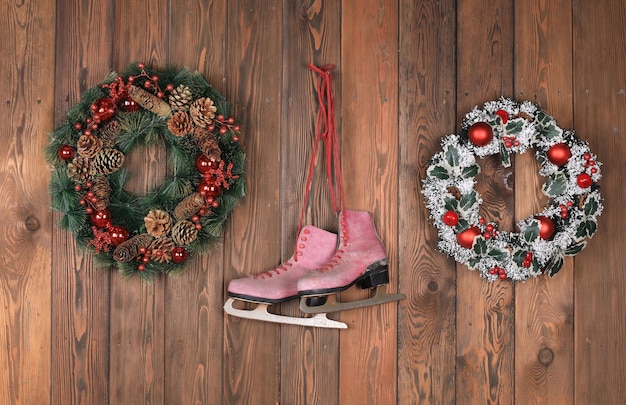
[[590, 163], [528, 260], [151, 82], [490, 231], [499, 271], [509, 141], [89, 198], [225, 124], [565, 209]]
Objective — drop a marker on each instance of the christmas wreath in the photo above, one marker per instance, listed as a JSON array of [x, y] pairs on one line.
[[155, 232], [505, 127]]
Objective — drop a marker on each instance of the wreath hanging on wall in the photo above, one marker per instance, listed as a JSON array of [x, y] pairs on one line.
[[156, 232], [505, 127]]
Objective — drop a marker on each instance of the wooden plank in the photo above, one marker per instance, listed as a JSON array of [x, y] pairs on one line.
[[485, 317], [27, 46], [544, 336], [80, 292], [193, 300], [369, 141], [252, 243], [137, 334], [311, 34], [600, 281], [426, 352]]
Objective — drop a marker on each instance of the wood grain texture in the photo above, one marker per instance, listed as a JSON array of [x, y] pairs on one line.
[[485, 311], [311, 34], [25, 234], [369, 141], [137, 308], [254, 77], [544, 333], [194, 319], [426, 338], [600, 281]]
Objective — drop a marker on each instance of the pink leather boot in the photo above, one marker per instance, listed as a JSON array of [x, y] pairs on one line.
[[314, 248], [360, 259]]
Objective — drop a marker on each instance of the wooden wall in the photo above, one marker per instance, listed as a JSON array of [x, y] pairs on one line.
[[407, 72]]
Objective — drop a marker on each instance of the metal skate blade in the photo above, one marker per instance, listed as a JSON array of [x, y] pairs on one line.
[[332, 305], [260, 313]]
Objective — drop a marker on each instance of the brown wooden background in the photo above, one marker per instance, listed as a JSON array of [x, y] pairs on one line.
[[407, 72]]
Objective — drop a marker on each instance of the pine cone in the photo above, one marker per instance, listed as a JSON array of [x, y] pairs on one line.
[[88, 146], [189, 206], [161, 249], [128, 250], [207, 143], [108, 161], [158, 223], [180, 98], [109, 133], [202, 111], [180, 124], [102, 191], [184, 232], [150, 102], [79, 169]]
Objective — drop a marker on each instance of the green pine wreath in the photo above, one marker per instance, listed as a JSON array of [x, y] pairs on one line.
[[153, 233], [504, 127]]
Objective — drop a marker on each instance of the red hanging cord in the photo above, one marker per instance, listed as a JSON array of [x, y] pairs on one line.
[[326, 131]]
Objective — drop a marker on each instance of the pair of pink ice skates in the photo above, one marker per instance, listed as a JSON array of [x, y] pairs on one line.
[[320, 267]]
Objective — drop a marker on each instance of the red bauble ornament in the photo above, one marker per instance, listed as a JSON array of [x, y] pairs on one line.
[[127, 104], [66, 152], [450, 218], [204, 164], [103, 107], [101, 219], [179, 255], [118, 235], [559, 154], [480, 133], [466, 238], [584, 180], [504, 116], [547, 228], [209, 189]]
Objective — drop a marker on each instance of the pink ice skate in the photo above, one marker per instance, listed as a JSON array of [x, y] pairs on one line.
[[360, 259], [314, 247]]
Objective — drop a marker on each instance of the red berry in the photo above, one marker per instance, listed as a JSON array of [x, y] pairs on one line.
[[147, 84], [155, 78], [502, 276], [169, 87], [220, 117], [450, 218], [594, 170], [587, 156], [141, 65], [584, 180], [160, 94], [231, 120], [78, 126], [195, 218]]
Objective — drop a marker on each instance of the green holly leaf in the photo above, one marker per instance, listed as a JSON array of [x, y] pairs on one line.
[[480, 246], [532, 232], [514, 127], [470, 171], [586, 228], [438, 172], [551, 130], [555, 265], [498, 254], [555, 185], [591, 207], [576, 248], [519, 256], [462, 225], [505, 155], [452, 155], [543, 118], [467, 201], [473, 262], [451, 203], [592, 227]]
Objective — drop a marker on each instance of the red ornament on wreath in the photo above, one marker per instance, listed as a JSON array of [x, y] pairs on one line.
[[547, 227], [209, 189], [179, 255], [103, 108], [466, 238], [66, 152], [101, 219], [127, 104], [118, 235], [504, 116], [450, 218], [204, 164], [559, 154], [584, 180], [480, 133]]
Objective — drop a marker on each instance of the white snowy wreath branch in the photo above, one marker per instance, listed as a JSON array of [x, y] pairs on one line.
[[571, 170]]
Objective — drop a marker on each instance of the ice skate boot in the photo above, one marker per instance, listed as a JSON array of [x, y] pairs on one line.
[[314, 247], [360, 259]]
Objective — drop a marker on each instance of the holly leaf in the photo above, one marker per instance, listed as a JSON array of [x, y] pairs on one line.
[[480, 246], [451, 203], [438, 172], [505, 155], [514, 127], [498, 254], [452, 156], [462, 225], [473, 261], [531, 233], [519, 256], [575, 248], [467, 201], [555, 185], [586, 228], [555, 265], [470, 171], [591, 207], [551, 130], [543, 118]]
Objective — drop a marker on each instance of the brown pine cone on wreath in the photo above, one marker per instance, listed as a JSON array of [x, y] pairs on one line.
[[184, 232], [180, 123], [107, 161], [202, 111], [207, 143], [180, 98], [108, 134], [189, 206], [88, 146], [79, 169], [128, 250], [158, 223], [102, 191], [161, 249], [150, 102]]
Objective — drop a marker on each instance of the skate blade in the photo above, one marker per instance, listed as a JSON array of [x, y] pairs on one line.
[[260, 313], [332, 305]]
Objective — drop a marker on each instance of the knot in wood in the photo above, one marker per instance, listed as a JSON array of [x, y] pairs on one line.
[[32, 223], [545, 356]]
